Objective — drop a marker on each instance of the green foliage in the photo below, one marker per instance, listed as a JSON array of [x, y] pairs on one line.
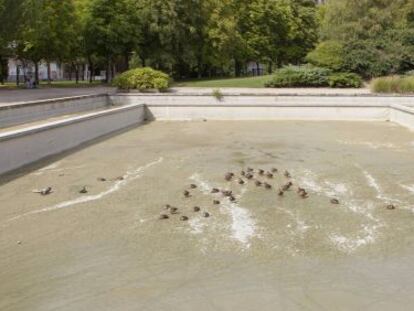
[[217, 94], [376, 36], [327, 54], [393, 84], [142, 79], [300, 76], [310, 76], [345, 80]]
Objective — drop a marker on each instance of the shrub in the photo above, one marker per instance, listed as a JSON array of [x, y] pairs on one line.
[[327, 54], [217, 94], [393, 84], [142, 79], [344, 80], [300, 76]]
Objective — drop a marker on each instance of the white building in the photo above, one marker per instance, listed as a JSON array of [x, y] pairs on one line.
[[255, 69], [27, 69]]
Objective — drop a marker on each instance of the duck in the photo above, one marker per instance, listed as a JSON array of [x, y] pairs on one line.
[[183, 218], [227, 193], [206, 214], [287, 186], [269, 175], [46, 191], [215, 190], [228, 176], [241, 181], [232, 198], [261, 172], [186, 193], [267, 186], [281, 193], [164, 216], [173, 210], [243, 173], [258, 183], [196, 209], [120, 178], [102, 179], [250, 170], [334, 201], [301, 190], [83, 190], [274, 170], [287, 174], [216, 202], [249, 176], [193, 186], [303, 194], [167, 206], [391, 207]]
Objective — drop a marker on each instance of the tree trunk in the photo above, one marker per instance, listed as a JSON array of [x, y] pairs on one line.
[[126, 60], [83, 67], [91, 72], [237, 67], [258, 68], [143, 61], [36, 73], [76, 67], [49, 79], [70, 72], [270, 68], [17, 75], [107, 73]]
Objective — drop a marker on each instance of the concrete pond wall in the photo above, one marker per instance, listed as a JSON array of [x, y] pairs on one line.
[[29, 144], [20, 113], [267, 107]]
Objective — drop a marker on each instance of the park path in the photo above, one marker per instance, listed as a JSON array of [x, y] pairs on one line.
[[23, 95]]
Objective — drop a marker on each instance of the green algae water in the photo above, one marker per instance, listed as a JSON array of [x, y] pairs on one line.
[[108, 250]]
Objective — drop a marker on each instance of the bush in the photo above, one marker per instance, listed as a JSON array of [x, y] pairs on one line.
[[142, 79], [393, 84], [327, 54], [300, 76], [344, 80]]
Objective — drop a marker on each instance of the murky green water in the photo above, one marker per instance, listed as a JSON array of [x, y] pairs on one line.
[[107, 249]]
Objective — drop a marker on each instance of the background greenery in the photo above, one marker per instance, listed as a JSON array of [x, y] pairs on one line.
[[202, 39]]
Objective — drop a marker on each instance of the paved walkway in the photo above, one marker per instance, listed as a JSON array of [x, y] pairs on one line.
[[18, 96]]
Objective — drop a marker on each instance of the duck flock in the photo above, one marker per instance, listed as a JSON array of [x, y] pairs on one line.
[[259, 177]]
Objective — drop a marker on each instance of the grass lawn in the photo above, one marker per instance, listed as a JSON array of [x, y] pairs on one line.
[[54, 84], [253, 82]]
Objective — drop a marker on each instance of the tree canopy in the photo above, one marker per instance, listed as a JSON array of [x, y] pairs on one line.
[[187, 38], [203, 38], [370, 37]]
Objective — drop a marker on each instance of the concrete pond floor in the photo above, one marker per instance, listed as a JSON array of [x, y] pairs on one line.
[[108, 250]]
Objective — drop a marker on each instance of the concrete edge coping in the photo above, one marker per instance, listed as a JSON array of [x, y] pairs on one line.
[[403, 108], [60, 123], [228, 94], [49, 101], [280, 105]]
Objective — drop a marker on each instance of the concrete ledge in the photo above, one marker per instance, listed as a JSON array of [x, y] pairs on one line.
[[262, 107], [403, 115], [22, 147], [20, 113]]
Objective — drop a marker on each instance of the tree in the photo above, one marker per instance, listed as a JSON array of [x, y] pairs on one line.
[[10, 17], [112, 30], [376, 35]]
